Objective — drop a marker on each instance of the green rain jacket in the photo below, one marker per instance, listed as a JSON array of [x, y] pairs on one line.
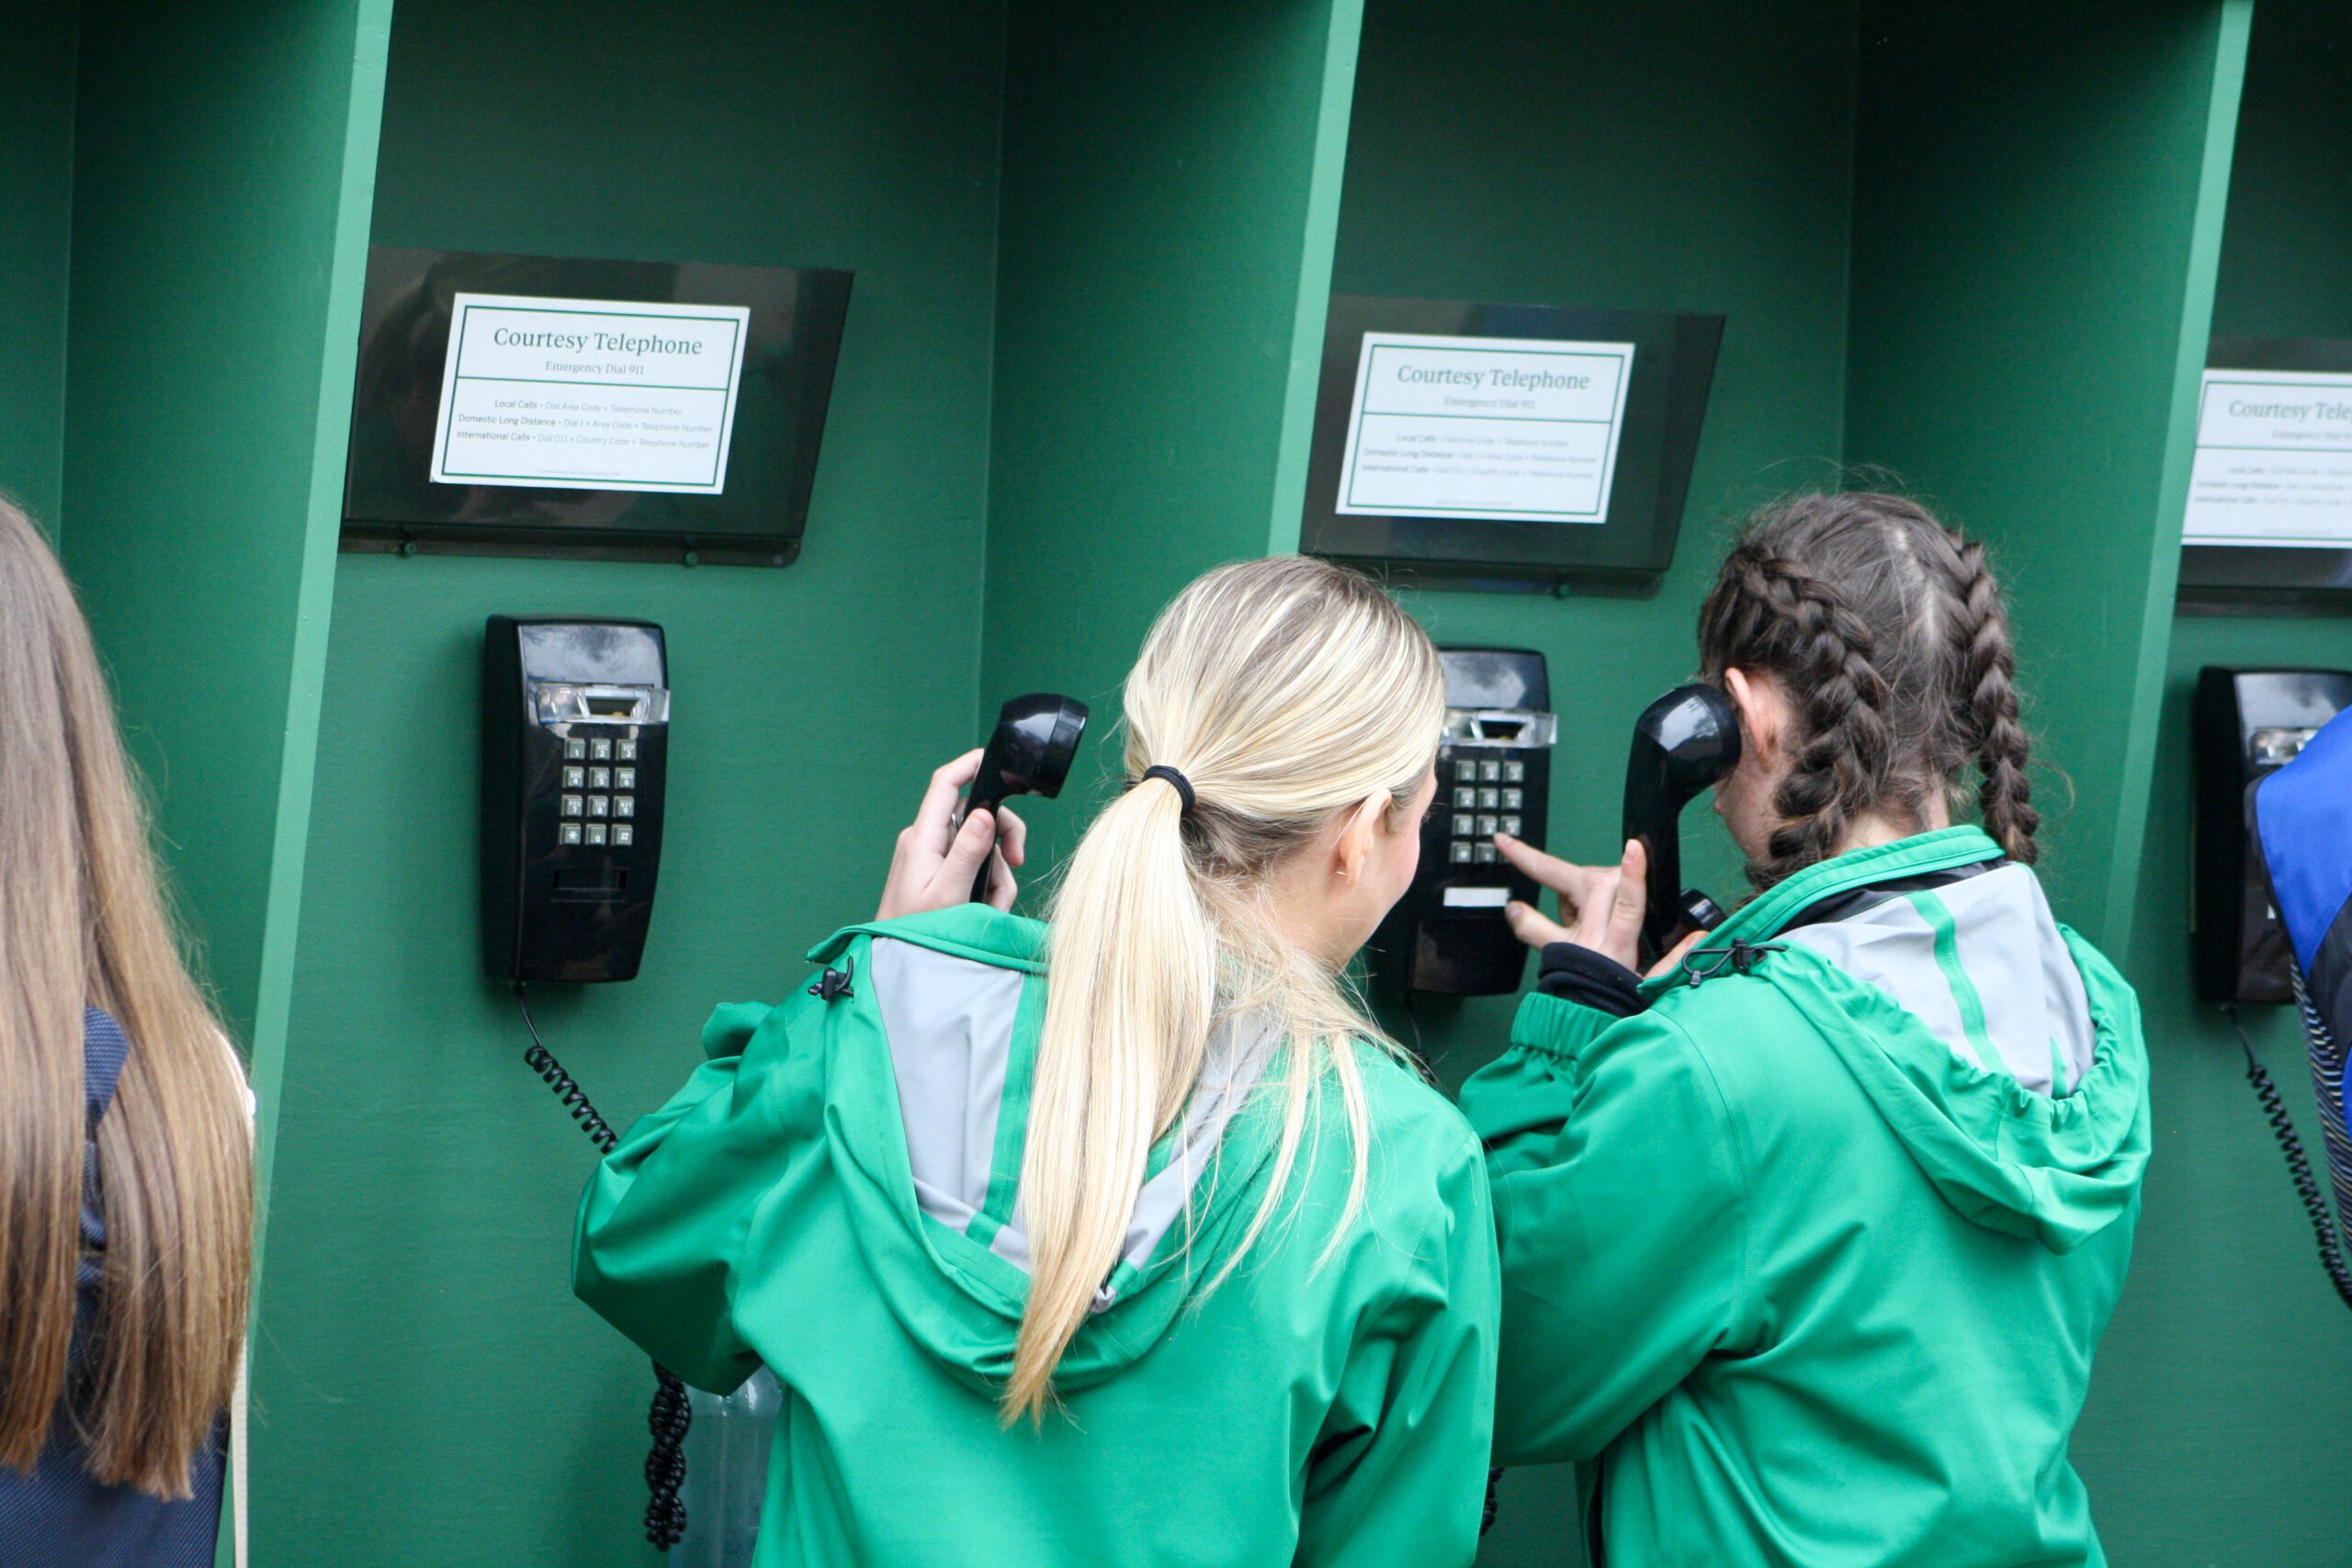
[[835, 1192], [1812, 1255]]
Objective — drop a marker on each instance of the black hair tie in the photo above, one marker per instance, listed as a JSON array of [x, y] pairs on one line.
[[1183, 786]]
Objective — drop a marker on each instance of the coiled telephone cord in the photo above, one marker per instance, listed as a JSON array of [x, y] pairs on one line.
[[669, 1415], [2299, 1164]]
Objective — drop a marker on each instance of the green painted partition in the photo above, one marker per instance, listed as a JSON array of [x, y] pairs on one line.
[[214, 298], [1170, 186], [2039, 194], [1676, 160], [2209, 1434], [37, 54]]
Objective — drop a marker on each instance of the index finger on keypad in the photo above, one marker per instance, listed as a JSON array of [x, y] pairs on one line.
[[1570, 881], [936, 819]]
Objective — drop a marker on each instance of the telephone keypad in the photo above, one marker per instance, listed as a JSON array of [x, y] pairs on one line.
[[624, 750], [573, 778], [624, 778], [574, 751], [1481, 806], [623, 835], [600, 806], [571, 806], [570, 834], [600, 750], [595, 832], [600, 778], [624, 805]]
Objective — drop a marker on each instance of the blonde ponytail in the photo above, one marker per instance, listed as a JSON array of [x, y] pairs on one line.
[[1287, 691]]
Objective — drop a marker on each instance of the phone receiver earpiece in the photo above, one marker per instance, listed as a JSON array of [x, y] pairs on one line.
[[1030, 753], [1684, 742]]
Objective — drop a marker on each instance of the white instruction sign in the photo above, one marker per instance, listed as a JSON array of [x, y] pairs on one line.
[[589, 394], [2274, 460], [1517, 429]]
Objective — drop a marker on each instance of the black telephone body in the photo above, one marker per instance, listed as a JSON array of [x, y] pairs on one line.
[[1447, 935], [1683, 743], [575, 741], [2247, 724]]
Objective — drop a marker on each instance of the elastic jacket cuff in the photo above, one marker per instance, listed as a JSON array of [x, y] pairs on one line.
[[1555, 1027], [1579, 975]]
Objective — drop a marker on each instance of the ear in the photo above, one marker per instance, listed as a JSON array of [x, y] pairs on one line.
[[1359, 831], [1763, 714]]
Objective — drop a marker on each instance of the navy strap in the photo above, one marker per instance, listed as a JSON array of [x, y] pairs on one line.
[[104, 1048]]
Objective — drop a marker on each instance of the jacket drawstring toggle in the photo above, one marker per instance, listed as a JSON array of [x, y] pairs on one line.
[[1740, 958]]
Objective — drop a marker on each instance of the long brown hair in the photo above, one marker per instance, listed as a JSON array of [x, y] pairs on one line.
[[1887, 629], [82, 923]]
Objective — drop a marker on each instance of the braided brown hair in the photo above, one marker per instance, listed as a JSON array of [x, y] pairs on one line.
[[1888, 632]]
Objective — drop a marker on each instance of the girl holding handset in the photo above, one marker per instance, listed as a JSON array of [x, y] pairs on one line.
[[1121, 1238], [1808, 1238]]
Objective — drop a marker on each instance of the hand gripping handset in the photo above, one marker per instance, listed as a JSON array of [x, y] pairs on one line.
[[1683, 742], [1036, 737]]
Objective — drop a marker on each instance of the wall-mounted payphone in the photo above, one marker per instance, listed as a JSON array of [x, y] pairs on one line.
[[2247, 724], [575, 748], [575, 726], [1493, 774]]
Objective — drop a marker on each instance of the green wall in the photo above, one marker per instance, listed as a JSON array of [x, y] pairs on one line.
[[36, 55], [1170, 186], [2040, 191], [214, 294], [2210, 1436]]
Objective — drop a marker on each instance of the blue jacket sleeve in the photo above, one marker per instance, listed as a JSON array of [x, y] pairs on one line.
[[1620, 1201], [658, 1245]]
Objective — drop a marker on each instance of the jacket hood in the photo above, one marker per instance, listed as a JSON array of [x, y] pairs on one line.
[[928, 1056], [2001, 1049]]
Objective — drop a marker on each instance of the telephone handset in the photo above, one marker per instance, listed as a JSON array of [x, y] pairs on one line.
[[1683, 742], [1029, 754], [575, 726]]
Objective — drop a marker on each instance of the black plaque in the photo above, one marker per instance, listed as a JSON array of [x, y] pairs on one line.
[[1666, 402], [791, 344]]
